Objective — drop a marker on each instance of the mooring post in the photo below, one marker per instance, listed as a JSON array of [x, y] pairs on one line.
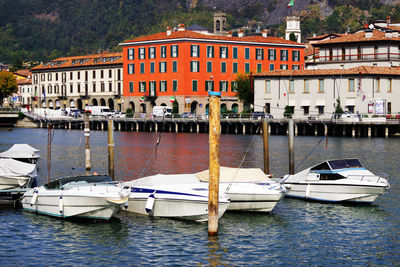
[[291, 146], [49, 139], [111, 148], [87, 144], [214, 135], [266, 146]]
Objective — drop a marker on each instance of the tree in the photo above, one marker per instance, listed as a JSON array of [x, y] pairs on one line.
[[8, 85], [292, 37], [339, 109], [175, 107], [244, 89]]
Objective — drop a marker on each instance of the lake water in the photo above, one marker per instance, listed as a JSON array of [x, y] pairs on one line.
[[295, 233]]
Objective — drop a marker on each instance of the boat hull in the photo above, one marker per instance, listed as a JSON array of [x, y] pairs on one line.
[[330, 192], [7, 183]]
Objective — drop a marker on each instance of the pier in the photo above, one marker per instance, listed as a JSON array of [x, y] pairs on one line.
[[241, 125]]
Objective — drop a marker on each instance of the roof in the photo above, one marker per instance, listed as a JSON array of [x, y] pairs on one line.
[[359, 37], [24, 72], [186, 34], [321, 37], [364, 70], [77, 61], [24, 81]]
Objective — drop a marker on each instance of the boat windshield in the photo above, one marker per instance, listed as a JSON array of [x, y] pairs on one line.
[[345, 164], [93, 179]]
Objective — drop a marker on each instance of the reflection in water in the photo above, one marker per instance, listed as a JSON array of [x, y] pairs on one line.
[[294, 233]]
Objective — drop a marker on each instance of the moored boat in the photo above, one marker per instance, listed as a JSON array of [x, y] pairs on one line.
[[92, 197], [343, 180], [22, 152], [15, 174]]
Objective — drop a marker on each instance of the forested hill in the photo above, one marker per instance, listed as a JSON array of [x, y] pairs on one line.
[[38, 30]]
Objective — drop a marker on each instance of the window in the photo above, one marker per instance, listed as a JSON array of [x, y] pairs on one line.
[[109, 73], [209, 66], [163, 51], [223, 86], [271, 54], [142, 53], [377, 84], [152, 88], [94, 74], [79, 75], [291, 86], [152, 67], [142, 87], [259, 67], [174, 66], [389, 85], [102, 87], [131, 53], [49, 89], [247, 52], [56, 76], [259, 54], [175, 85], [209, 85], [42, 77], [271, 66], [343, 53], [152, 52], [295, 67], [163, 67], [142, 67], [223, 52], [330, 54], [119, 74], [174, 50], [194, 66], [296, 55], [195, 50], [210, 51], [223, 67], [321, 86], [131, 68], [358, 52], [49, 77], [234, 67], [247, 67], [130, 87], [71, 88], [94, 87], [235, 52], [284, 55], [284, 67], [234, 86], [194, 85], [351, 85], [268, 86], [79, 87], [163, 86], [306, 86], [110, 87], [320, 110], [306, 110]]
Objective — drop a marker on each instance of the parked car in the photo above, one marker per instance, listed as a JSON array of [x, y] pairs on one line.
[[348, 114], [119, 114], [259, 114], [187, 115]]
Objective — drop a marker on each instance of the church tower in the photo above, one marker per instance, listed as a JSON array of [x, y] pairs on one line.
[[293, 26], [219, 23]]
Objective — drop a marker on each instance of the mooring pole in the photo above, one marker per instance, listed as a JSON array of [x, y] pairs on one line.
[[266, 146], [87, 144], [111, 148], [291, 146], [49, 139], [214, 135]]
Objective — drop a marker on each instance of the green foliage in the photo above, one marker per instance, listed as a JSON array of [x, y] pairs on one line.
[[129, 110], [292, 37], [175, 107], [338, 110], [243, 89], [289, 110], [8, 84]]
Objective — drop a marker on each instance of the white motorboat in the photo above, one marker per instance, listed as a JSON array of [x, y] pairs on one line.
[[92, 197], [343, 180], [248, 189], [159, 196], [15, 174], [22, 152]]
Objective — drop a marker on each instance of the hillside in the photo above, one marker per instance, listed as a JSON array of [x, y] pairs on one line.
[[38, 30]]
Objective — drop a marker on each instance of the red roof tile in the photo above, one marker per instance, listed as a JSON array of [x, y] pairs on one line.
[[359, 37], [24, 72]]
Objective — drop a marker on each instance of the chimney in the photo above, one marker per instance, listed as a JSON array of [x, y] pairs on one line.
[[264, 33], [169, 31], [314, 35], [181, 27], [229, 34], [395, 34], [368, 33], [240, 33], [388, 34], [388, 20]]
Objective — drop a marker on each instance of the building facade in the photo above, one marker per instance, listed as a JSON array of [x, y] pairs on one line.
[[79, 81], [184, 65]]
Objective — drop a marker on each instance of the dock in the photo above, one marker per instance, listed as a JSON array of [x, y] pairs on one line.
[[11, 197]]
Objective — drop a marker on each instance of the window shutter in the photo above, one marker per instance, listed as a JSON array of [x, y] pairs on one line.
[[262, 54], [205, 87], [220, 86], [177, 51], [191, 66], [191, 50], [227, 55], [198, 51], [220, 52]]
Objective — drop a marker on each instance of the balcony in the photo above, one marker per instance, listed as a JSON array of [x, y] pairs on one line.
[[358, 57]]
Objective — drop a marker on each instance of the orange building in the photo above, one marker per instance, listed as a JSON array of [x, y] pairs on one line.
[[183, 65]]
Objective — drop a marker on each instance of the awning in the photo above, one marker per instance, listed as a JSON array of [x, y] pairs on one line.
[[320, 102], [305, 103], [292, 102], [350, 102]]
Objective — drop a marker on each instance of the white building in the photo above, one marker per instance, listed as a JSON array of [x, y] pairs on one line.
[[25, 91], [80, 81]]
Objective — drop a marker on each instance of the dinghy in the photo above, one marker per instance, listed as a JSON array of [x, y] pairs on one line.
[[343, 180], [92, 197], [15, 174]]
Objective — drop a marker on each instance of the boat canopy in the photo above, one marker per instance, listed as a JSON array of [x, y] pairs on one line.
[[337, 164], [15, 168], [79, 180], [20, 151], [237, 175]]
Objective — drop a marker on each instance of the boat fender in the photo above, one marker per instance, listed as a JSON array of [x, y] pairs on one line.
[[126, 205], [34, 197], [150, 203], [308, 190], [61, 204]]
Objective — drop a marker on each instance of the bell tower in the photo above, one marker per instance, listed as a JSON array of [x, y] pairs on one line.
[[219, 23], [293, 26]]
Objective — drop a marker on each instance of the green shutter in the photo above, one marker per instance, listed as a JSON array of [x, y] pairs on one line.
[[227, 55]]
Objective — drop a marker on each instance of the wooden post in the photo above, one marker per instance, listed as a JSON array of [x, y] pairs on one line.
[[291, 146], [87, 144], [111, 148], [49, 139], [214, 135], [266, 146]]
